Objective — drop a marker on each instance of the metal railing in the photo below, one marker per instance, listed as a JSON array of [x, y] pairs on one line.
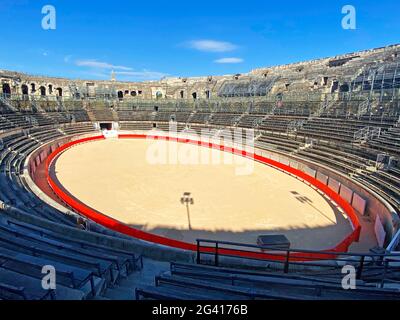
[[395, 243], [367, 133], [319, 99], [295, 125], [376, 267], [264, 105], [364, 108]]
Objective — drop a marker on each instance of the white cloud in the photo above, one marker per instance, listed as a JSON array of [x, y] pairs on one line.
[[40, 52], [140, 75], [229, 60], [67, 58], [99, 75], [100, 65], [101, 69], [212, 45]]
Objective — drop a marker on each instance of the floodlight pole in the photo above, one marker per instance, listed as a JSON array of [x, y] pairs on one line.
[[187, 200]]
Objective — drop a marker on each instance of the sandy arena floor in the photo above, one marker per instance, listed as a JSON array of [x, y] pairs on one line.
[[116, 178]]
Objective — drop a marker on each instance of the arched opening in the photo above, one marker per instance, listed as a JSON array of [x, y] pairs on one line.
[[133, 93], [59, 92], [126, 92], [279, 100], [344, 88], [50, 89], [33, 88], [6, 90], [194, 95], [42, 91], [24, 89], [120, 95], [182, 94], [208, 94], [335, 86]]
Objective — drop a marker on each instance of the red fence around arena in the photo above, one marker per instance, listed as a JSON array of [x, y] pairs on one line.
[[118, 226]]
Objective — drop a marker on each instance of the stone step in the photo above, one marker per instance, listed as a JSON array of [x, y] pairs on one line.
[[101, 298], [136, 281], [120, 293], [100, 286]]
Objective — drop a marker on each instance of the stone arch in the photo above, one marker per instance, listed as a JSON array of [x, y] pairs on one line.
[[50, 88], [24, 90], [194, 95], [120, 95], [334, 86], [6, 89], [182, 94], [42, 90], [33, 87], [59, 92], [133, 93], [344, 87]]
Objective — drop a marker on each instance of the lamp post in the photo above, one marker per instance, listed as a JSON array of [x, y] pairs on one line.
[[187, 200]]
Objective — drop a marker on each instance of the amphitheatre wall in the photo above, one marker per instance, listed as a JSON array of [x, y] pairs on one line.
[[320, 77]]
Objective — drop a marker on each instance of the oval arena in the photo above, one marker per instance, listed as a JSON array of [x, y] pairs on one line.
[[96, 184], [119, 178]]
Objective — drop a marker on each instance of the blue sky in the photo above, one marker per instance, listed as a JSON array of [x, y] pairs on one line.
[[145, 40]]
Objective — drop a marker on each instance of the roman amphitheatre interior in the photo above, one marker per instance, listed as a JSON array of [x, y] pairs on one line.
[[85, 185]]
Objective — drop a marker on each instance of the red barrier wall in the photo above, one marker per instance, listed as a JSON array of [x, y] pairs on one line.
[[124, 229]]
